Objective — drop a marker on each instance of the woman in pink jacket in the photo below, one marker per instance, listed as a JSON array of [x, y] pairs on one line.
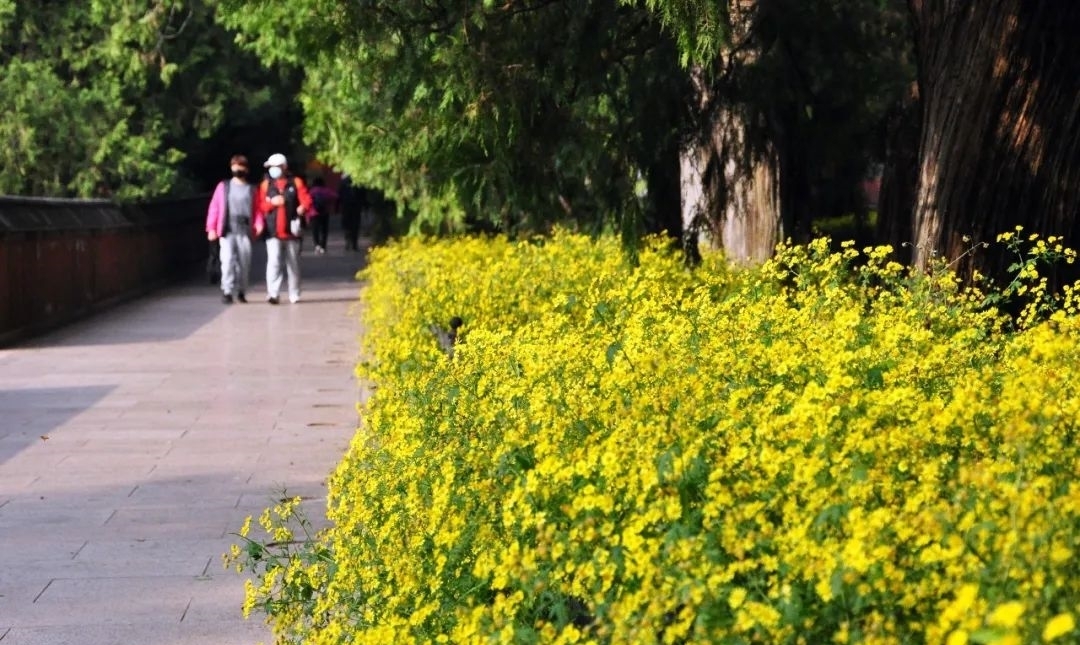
[[229, 219]]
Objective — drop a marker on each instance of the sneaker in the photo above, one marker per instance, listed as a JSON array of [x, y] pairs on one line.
[[320, 250], [294, 300], [272, 300], [227, 299], [240, 297]]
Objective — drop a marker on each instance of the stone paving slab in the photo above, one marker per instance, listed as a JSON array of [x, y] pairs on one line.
[[134, 444], [117, 600], [113, 564], [185, 633]]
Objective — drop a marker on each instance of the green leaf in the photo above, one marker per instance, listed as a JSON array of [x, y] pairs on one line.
[[612, 351], [987, 635]]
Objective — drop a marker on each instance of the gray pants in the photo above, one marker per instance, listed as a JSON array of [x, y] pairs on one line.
[[282, 256], [235, 257]]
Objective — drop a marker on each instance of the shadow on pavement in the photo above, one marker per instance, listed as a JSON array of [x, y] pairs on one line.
[[27, 416], [172, 313], [126, 563]]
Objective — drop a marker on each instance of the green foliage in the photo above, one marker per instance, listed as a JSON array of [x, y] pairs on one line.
[[103, 98], [505, 115], [285, 556], [701, 27]]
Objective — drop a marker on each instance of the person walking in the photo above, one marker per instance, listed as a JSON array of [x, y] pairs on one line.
[[351, 204], [283, 201], [325, 202], [229, 223]]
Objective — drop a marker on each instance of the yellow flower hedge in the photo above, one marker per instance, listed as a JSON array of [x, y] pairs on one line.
[[825, 449]]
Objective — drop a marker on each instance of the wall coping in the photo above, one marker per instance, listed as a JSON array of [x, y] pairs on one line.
[[32, 214]]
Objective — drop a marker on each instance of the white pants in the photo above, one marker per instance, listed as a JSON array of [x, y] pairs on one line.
[[282, 256], [235, 257]]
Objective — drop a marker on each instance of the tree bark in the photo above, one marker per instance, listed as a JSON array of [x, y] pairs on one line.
[[730, 176], [731, 195], [999, 82]]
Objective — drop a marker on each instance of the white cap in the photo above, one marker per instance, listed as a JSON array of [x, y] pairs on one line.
[[276, 159]]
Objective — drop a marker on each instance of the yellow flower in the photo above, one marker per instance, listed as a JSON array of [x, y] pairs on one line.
[[1006, 614], [737, 597], [602, 427], [246, 527], [824, 589], [1058, 626]]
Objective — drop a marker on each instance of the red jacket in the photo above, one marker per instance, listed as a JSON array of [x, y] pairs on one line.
[[277, 217]]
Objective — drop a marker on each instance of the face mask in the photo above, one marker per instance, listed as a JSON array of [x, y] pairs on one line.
[[275, 172], [239, 172]]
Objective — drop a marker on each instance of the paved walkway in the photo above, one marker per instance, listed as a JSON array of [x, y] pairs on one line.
[[133, 444]]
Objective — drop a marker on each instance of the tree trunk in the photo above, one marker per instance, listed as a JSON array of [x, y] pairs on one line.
[[731, 196], [730, 179], [999, 82], [696, 199]]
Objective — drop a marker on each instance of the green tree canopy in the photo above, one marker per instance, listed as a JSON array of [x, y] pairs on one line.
[[519, 114], [512, 114], [103, 98]]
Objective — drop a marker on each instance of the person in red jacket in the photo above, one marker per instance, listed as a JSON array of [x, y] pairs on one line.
[[283, 203]]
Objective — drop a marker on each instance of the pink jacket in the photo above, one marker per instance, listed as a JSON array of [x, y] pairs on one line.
[[215, 213]]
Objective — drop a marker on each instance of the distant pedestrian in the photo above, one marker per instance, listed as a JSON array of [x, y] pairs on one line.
[[351, 203], [229, 221], [283, 202], [325, 202]]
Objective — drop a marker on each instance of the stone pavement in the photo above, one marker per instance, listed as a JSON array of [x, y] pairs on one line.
[[133, 444]]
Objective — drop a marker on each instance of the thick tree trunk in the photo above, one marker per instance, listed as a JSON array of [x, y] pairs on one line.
[[999, 82], [731, 178], [731, 196]]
